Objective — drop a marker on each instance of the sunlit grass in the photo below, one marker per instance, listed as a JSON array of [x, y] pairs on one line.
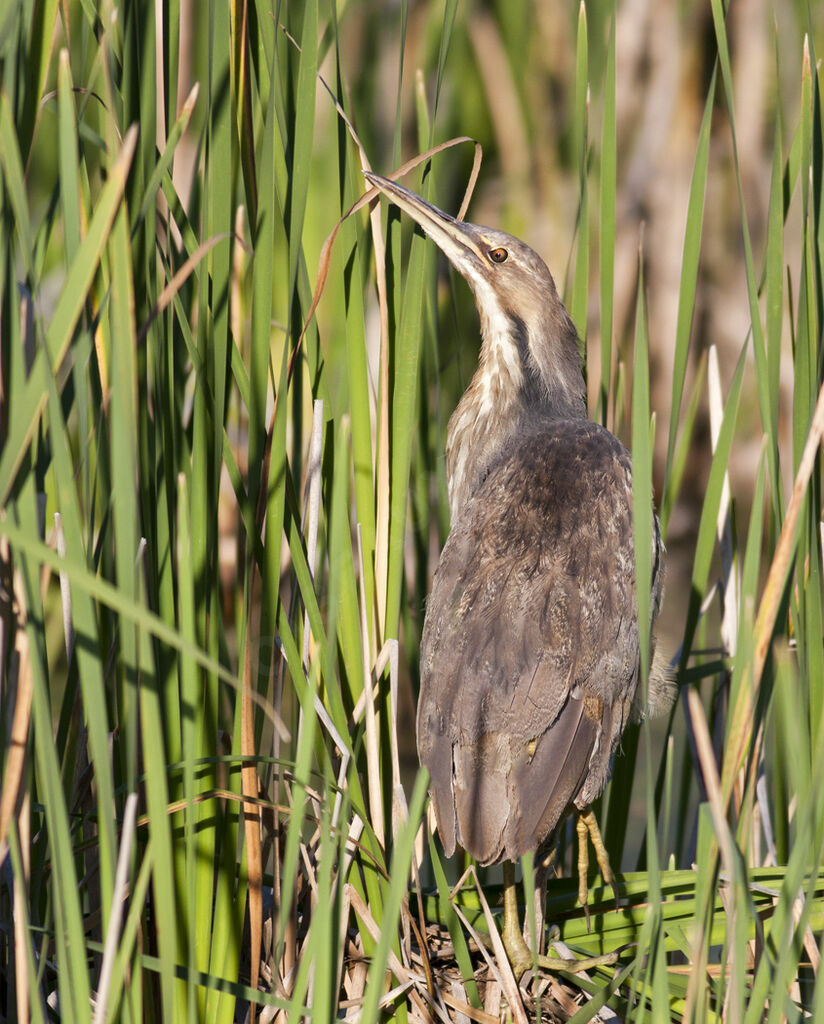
[[251, 502]]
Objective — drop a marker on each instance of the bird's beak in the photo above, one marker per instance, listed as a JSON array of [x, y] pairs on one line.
[[458, 241]]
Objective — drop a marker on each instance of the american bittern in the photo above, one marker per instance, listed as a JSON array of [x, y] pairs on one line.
[[530, 658]]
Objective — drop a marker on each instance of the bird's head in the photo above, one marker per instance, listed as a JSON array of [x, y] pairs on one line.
[[524, 325]]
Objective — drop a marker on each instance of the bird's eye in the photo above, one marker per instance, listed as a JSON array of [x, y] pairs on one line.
[[498, 255]]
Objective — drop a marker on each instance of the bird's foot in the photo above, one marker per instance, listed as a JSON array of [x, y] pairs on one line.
[[587, 828], [522, 960]]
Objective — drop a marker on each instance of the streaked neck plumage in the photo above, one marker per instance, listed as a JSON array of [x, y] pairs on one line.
[[525, 372]]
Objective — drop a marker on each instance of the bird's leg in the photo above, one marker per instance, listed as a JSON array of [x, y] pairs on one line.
[[511, 933], [587, 828], [539, 906], [520, 955], [583, 865]]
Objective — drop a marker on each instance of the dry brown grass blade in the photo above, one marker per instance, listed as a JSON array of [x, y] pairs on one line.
[[384, 1003], [177, 282], [810, 943], [382, 441], [21, 934], [771, 598], [741, 721], [312, 500], [500, 966], [394, 964], [460, 1006], [729, 586], [121, 891], [712, 783], [382, 660], [237, 313], [14, 799], [416, 161]]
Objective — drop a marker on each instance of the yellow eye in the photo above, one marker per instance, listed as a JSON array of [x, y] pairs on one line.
[[498, 255]]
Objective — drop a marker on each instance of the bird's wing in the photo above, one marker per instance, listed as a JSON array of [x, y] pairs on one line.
[[529, 658]]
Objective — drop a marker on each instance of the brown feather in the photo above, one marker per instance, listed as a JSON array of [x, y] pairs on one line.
[[531, 624]]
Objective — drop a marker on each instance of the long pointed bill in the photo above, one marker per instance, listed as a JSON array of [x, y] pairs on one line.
[[458, 241]]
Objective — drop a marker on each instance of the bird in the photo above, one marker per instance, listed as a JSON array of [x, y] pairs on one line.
[[530, 659]]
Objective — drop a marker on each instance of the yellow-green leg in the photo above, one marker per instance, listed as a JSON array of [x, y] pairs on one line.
[[520, 955], [587, 828]]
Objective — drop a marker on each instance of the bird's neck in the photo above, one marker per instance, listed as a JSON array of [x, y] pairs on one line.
[[505, 394], [482, 423]]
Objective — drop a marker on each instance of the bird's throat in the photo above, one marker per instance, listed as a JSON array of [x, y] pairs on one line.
[[484, 420]]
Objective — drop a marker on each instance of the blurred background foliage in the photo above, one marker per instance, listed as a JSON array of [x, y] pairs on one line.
[[209, 660]]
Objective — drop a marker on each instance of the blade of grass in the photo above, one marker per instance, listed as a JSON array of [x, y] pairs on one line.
[[36, 68], [399, 874], [29, 405], [709, 513], [609, 145], [759, 349], [72, 975], [12, 164], [579, 299], [688, 283]]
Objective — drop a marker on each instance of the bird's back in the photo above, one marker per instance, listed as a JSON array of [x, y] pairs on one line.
[[530, 656]]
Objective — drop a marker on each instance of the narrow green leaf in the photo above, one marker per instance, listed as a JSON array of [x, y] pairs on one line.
[[579, 299], [705, 544], [609, 145], [407, 351], [72, 974], [304, 128], [642, 514], [163, 166], [689, 271], [27, 407], [70, 190], [42, 26], [399, 874], [12, 164]]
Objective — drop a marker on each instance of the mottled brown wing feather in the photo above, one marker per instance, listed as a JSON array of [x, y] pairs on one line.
[[529, 657]]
